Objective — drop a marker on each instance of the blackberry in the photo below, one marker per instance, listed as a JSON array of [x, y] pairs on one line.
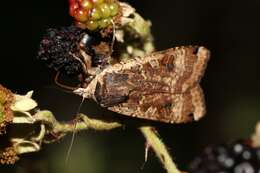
[[57, 47], [93, 14], [61, 49], [237, 157]]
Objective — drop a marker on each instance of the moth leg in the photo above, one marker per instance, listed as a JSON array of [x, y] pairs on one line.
[[85, 63]]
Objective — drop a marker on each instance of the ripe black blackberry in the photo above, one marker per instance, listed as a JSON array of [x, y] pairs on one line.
[[61, 49], [57, 48], [237, 157]]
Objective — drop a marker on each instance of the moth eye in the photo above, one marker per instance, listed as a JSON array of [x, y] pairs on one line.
[[87, 42], [86, 39]]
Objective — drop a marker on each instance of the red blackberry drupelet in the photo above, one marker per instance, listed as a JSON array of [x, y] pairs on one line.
[[93, 14]]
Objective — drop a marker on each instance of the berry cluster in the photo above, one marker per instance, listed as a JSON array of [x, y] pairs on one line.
[[237, 157], [58, 47], [93, 14]]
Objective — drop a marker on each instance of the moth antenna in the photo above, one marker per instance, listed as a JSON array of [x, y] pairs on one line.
[[56, 80], [113, 37], [85, 61], [74, 132], [59, 89]]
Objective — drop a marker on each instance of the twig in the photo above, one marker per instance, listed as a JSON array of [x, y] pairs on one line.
[[159, 148], [256, 136], [84, 123]]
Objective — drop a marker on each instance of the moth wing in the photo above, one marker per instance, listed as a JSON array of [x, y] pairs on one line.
[[180, 67], [169, 108], [162, 86], [197, 69]]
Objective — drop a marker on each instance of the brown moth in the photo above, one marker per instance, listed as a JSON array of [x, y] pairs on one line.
[[163, 86]]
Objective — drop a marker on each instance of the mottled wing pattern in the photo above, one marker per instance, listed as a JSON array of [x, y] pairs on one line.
[[163, 86]]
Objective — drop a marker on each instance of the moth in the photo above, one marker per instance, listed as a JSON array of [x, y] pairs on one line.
[[162, 86]]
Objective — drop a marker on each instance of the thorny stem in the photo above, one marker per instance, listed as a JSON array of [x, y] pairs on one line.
[[84, 123], [159, 148], [256, 136]]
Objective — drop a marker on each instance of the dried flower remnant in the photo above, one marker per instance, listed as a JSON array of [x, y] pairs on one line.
[[8, 156], [6, 114]]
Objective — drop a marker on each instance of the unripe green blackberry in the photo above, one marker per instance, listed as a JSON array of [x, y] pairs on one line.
[[98, 1], [93, 14], [237, 157], [105, 10]]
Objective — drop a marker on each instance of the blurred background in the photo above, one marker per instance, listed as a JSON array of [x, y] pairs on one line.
[[229, 28]]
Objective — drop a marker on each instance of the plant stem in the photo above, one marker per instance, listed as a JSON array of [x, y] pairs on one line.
[[256, 136], [159, 148], [83, 123]]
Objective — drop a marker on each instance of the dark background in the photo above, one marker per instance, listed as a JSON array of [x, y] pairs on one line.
[[229, 28]]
